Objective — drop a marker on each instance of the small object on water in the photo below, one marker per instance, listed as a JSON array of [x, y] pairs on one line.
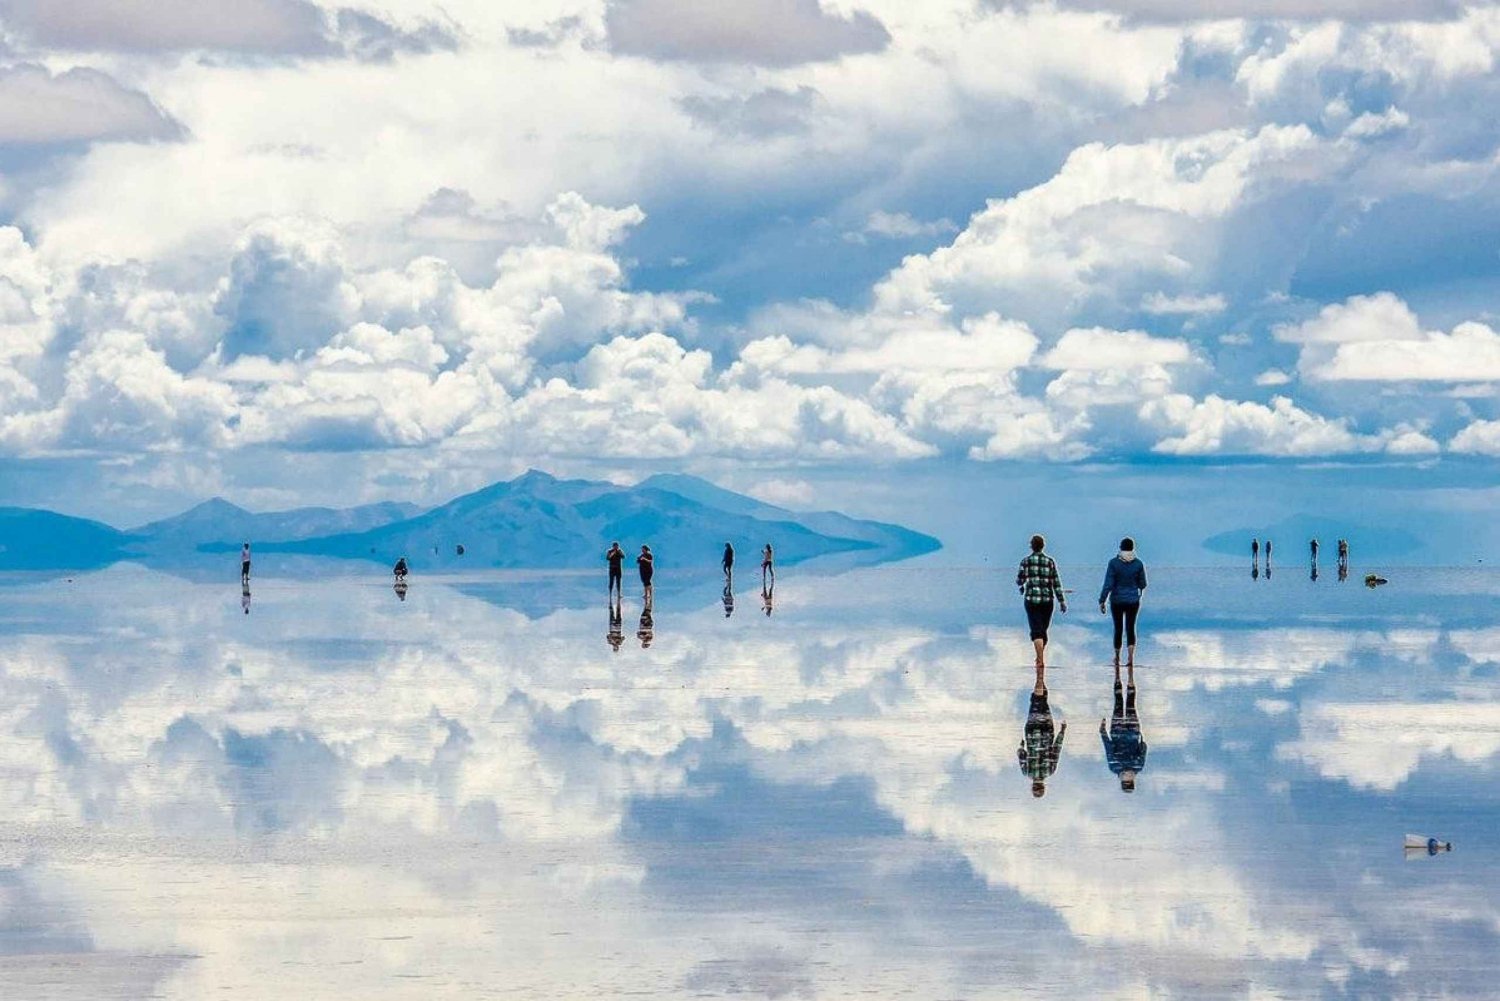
[[1417, 843], [1374, 580]]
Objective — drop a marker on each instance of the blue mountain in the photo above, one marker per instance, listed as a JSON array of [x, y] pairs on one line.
[[216, 522], [537, 520], [42, 540]]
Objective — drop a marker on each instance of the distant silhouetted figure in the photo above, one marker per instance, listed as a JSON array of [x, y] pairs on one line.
[[768, 599], [1039, 585], [646, 564], [1268, 556], [767, 565], [1313, 547], [245, 596], [400, 569], [647, 631], [245, 563], [616, 634], [1255, 553], [1343, 558], [616, 559], [728, 562], [1040, 746], [728, 601], [1124, 580], [1124, 749]]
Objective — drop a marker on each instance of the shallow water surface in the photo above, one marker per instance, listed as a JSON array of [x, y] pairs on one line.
[[469, 792]]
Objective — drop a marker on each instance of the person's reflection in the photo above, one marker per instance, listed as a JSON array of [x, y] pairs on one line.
[[647, 631], [1124, 749], [1255, 570], [1040, 746], [767, 599], [400, 588], [616, 635], [1314, 570], [728, 600], [245, 596]]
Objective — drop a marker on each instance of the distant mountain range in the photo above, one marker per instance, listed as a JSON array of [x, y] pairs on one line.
[[533, 521]]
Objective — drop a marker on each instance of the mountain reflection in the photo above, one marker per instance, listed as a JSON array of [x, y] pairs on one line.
[[490, 797]]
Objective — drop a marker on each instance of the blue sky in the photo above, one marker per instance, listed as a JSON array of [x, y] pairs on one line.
[[298, 252]]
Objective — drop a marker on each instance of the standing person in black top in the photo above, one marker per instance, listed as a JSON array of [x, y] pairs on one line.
[[728, 564], [1039, 585], [616, 558], [644, 563]]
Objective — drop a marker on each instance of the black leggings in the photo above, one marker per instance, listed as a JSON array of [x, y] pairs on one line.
[[1124, 616]]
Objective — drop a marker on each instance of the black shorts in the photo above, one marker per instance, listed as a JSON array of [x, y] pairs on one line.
[[1039, 617], [646, 579], [244, 568]]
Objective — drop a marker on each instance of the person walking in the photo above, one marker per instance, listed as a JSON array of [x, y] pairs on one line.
[[615, 556], [1124, 580], [1124, 748], [1039, 585], [767, 566], [245, 563], [728, 564], [646, 564]]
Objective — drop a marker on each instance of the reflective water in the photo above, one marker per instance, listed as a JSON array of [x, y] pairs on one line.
[[455, 793]]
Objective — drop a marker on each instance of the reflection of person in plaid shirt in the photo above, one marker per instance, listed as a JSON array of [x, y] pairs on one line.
[[1039, 583], [1040, 748]]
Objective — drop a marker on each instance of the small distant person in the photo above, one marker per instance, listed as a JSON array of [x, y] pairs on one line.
[[1039, 586], [1268, 554], [1040, 747], [768, 599], [728, 601], [616, 634], [1255, 552], [1313, 546], [646, 564], [767, 565], [245, 596], [728, 562], [245, 563], [616, 559], [400, 569], [1124, 750], [1124, 580]]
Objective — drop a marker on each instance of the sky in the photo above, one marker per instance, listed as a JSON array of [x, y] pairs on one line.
[[297, 252]]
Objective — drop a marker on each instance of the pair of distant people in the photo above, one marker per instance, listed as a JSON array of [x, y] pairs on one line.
[[1042, 592], [767, 564], [645, 564]]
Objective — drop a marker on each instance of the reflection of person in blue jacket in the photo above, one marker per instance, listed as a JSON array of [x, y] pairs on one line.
[[1124, 750]]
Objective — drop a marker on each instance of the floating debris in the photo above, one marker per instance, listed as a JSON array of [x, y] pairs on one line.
[[1417, 844], [1374, 580]]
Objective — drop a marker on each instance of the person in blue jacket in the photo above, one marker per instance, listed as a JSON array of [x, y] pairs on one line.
[[1124, 580]]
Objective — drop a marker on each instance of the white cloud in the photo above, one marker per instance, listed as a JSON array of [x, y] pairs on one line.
[[1161, 304], [1272, 377], [1347, 741], [38, 107], [1098, 349], [1378, 338], [1215, 425], [1478, 438]]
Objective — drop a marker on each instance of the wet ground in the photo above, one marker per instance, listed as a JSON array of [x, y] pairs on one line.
[[469, 793]]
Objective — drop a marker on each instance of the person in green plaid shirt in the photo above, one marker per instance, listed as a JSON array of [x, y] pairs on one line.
[[1039, 584]]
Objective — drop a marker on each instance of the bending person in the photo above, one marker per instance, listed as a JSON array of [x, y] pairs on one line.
[[1039, 585], [1124, 580]]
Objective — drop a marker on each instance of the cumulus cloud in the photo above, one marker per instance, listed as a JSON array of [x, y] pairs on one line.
[[1478, 438], [288, 27], [1378, 338], [1107, 229], [1160, 304], [758, 32], [38, 108], [1215, 425]]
